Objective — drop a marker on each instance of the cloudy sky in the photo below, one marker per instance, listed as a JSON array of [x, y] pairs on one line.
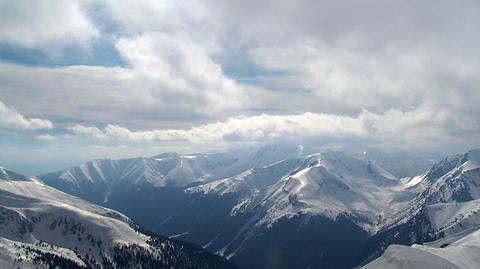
[[87, 79]]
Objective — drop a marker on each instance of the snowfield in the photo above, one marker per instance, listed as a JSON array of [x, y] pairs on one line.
[[453, 253]]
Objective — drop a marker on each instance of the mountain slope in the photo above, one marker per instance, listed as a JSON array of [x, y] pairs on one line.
[[96, 180], [447, 203], [453, 180], [42, 227]]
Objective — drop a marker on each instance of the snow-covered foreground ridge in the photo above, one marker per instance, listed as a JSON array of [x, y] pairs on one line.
[[42, 227], [460, 251]]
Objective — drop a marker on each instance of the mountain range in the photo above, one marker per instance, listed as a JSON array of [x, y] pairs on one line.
[[275, 206], [285, 206]]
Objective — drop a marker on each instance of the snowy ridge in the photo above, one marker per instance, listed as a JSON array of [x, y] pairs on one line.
[[25, 255], [399, 164], [412, 182], [252, 180], [9, 175], [449, 205], [329, 183], [455, 179], [473, 157], [452, 218], [463, 253], [45, 226]]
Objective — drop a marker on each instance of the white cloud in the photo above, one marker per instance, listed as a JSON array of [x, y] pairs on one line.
[[10, 118], [156, 16], [328, 63], [46, 138], [45, 24], [344, 80], [402, 72], [395, 127], [171, 70], [169, 77], [92, 131]]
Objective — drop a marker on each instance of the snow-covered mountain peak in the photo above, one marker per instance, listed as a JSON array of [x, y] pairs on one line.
[[444, 166], [400, 164], [473, 160], [166, 155], [454, 179], [353, 166], [450, 186], [468, 161], [448, 168], [329, 183]]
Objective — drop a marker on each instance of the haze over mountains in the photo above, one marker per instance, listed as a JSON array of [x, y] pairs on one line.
[[286, 207]]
